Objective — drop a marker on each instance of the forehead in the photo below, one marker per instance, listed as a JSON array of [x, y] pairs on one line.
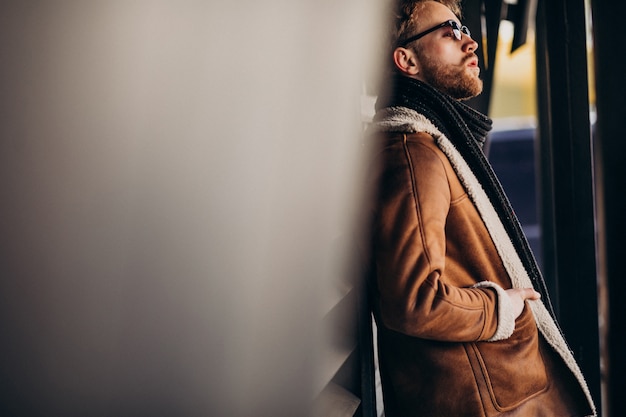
[[433, 13]]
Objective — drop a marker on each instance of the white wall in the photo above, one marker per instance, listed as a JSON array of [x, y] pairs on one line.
[[174, 177]]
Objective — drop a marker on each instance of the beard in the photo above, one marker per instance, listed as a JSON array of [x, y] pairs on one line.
[[458, 83]]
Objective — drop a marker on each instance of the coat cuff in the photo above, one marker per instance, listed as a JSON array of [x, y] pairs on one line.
[[506, 315]]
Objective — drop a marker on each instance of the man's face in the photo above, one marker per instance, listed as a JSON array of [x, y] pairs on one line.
[[446, 63]]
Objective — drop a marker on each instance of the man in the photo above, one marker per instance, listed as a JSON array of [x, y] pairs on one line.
[[461, 330]]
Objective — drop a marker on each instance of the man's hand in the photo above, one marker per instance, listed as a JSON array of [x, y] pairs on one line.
[[518, 297]]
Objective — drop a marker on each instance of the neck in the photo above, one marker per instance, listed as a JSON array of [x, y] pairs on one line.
[[454, 118]]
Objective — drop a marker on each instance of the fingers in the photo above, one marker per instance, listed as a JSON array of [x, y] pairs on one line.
[[518, 296], [530, 294], [524, 293]]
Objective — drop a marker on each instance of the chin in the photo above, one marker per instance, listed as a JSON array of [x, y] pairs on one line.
[[460, 85], [466, 90]]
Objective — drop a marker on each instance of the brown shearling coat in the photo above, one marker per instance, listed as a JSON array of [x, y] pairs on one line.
[[448, 343]]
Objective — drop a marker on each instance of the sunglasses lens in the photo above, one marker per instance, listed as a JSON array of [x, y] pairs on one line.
[[455, 29]]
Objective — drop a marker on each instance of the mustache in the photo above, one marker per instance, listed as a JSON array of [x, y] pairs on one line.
[[470, 57]]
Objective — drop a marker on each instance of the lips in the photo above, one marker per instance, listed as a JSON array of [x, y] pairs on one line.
[[472, 61]]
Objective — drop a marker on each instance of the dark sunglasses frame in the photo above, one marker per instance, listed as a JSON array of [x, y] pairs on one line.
[[456, 29]]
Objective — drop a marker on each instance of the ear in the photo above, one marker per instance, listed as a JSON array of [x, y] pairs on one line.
[[406, 61]]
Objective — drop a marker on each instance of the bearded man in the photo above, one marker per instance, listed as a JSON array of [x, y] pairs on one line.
[[462, 330]]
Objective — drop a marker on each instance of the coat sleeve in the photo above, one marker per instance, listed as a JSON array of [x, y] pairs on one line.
[[416, 297]]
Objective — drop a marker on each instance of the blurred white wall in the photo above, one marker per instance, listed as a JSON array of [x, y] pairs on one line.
[[174, 177]]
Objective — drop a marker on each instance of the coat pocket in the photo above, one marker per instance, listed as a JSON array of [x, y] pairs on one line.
[[512, 370]]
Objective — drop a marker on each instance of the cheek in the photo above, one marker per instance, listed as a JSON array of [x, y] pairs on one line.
[[438, 54]]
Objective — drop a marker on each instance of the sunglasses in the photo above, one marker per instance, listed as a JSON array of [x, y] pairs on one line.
[[456, 29]]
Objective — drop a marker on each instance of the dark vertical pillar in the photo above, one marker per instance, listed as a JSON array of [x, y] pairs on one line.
[[610, 61], [568, 213], [544, 156]]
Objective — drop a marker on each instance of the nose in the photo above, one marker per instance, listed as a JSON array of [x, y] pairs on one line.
[[469, 44]]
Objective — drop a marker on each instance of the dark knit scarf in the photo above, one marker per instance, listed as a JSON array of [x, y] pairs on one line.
[[467, 129]]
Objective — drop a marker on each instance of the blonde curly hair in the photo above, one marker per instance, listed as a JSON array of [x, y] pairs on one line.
[[407, 12]]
